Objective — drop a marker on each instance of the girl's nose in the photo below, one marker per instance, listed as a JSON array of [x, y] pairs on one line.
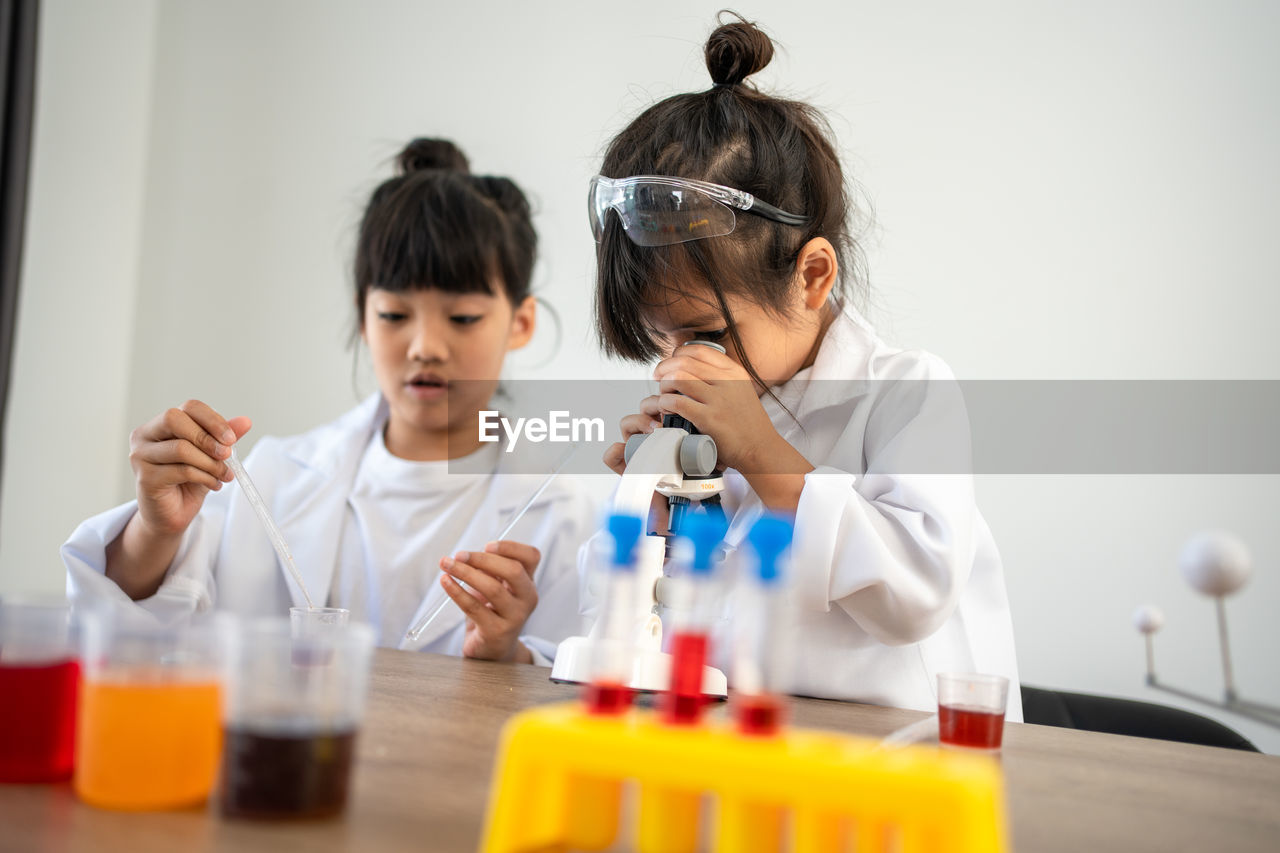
[[428, 344]]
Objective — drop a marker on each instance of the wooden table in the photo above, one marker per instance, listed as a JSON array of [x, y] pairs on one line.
[[427, 747]]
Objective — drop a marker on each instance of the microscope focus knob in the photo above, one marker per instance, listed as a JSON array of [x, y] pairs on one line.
[[697, 455]]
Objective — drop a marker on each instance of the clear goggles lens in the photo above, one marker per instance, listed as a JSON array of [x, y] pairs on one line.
[[657, 211]]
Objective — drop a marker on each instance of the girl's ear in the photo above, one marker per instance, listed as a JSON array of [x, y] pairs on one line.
[[816, 271], [523, 322]]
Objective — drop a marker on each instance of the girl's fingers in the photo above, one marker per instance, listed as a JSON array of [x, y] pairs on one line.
[[684, 383], [214, 424], [515, 574], [526, 555], [178, 475], [177, 423], [493, 589], [637, 424], [616, 458], [181, 452], [649, 406], [700, 361], [682, 405], [240, 425], [471, 606]]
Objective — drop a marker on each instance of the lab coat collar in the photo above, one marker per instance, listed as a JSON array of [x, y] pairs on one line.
[[327, 448], [841, 371]]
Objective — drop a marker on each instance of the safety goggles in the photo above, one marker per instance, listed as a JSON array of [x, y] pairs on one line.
[[659, 211]]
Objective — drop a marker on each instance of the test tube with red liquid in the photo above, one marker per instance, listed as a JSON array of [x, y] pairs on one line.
[[761, 650], [611, 656], [692, 614]]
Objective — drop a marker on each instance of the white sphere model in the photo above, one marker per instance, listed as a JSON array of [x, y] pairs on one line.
[[1148, 618], [1215, 563]]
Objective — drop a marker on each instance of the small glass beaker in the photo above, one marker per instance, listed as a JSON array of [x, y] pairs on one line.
[[294, 706], [39, 680], [150, 729], [312, 621], [971, 710], [306, 623]]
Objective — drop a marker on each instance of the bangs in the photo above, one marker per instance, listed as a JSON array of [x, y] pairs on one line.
[[429, 234], [627, 277], [632, 280]]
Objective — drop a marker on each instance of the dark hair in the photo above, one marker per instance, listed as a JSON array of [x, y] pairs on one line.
[[778, 150], [435, 225]]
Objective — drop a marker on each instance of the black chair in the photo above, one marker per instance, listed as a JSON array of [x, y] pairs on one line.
[[1126, 717]]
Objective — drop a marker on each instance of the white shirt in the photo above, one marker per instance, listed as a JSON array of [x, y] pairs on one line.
[[402, 517]]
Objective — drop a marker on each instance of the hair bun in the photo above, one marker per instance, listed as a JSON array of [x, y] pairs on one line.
[[505, 194], [423, 154], [737, 50]]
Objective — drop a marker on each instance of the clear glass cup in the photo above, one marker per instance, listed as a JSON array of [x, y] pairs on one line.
[[39, 683], [315, 622], [308, 621], [149, 732], [294, 706], [971, 709]]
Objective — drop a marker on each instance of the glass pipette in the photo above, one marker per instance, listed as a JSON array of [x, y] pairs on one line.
[[273, 532], [424, 623], [925, 729]]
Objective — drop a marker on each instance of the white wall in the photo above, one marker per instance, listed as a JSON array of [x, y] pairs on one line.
[[1078, 190], [66, 424]]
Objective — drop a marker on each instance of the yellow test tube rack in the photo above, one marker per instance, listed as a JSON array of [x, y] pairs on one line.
[[561, 775]]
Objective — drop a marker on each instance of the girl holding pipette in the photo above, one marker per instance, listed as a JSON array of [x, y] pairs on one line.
[[375, 505], [723, 215]]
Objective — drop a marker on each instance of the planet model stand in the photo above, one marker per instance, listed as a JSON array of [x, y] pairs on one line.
[[1215, 564]]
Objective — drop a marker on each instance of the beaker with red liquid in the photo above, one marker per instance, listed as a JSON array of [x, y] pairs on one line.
[[39, 683], [975, 728], [971, 709]]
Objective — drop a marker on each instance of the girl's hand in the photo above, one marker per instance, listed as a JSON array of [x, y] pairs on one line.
[[505, 595], [178, 458], [720, 398]]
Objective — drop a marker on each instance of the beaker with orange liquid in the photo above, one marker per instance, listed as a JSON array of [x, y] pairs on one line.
[[149, 732]]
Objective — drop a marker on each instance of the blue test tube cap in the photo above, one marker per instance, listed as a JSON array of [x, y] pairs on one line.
[[705, 532], [770, 536], [625, 530]]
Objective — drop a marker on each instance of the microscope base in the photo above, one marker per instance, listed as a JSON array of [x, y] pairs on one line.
[[650, 672]]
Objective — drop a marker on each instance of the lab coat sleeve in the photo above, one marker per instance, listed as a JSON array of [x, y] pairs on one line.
[[188, 584], [892, 548]]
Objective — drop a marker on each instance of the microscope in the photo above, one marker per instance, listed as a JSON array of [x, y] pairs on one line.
[[678, 462]]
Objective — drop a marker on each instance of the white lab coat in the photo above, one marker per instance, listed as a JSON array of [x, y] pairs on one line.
[[895, 574], [226, 561]]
